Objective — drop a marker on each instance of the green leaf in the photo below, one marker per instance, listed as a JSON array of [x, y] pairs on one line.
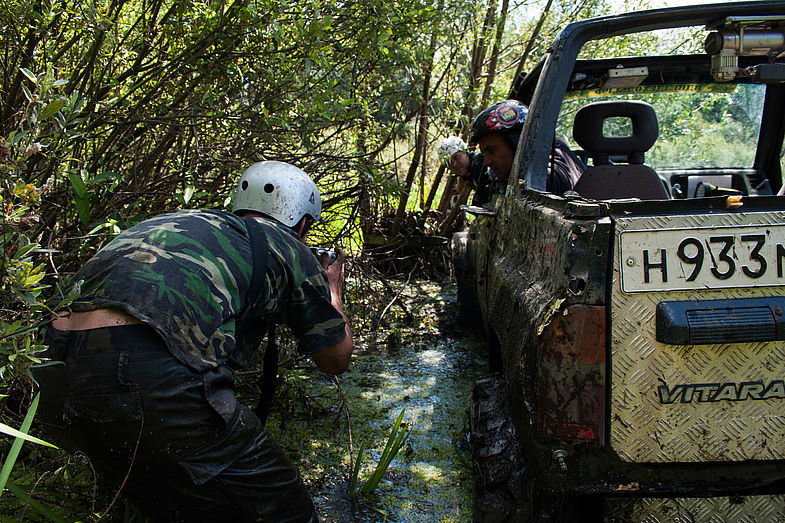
[[188, 193], [83, 208], [52, 108], [104, 176], [395, 441], [20, 436], [29, 74], [34, 505], [27, 93], [108, 224], [14, 137], [24, 251], [5, 429], [81, 197], [80, 189], [356, 471]]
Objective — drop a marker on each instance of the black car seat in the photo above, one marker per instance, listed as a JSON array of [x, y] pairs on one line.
[[604, 180]]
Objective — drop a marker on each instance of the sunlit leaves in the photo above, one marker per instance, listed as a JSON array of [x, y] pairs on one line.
[[28, 74]]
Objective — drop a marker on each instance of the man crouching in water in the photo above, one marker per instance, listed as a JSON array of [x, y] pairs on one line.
[[167, 311]]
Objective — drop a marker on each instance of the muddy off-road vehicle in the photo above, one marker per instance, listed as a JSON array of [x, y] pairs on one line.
[[638, 322]]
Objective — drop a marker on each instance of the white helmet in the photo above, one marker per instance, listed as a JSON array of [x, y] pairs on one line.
[[450, 146], [279, 190]]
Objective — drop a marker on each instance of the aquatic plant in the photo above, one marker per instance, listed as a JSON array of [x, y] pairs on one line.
[[395, 441], [5, 472]]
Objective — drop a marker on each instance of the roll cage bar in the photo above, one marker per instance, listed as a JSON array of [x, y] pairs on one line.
[[544, 87]]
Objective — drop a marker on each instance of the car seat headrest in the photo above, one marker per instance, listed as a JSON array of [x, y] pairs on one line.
[[587, 130]]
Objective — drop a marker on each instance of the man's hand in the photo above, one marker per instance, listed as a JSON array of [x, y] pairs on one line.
[[335, 358]]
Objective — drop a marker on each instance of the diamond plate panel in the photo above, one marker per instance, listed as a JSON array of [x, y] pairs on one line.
[[750, 509], [644, 426]]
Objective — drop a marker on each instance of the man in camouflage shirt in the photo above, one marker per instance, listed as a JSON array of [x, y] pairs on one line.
[[167, 310]]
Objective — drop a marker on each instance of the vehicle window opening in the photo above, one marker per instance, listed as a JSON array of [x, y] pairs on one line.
[[616, 126]]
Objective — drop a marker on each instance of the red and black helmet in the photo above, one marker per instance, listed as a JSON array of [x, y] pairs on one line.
[[500, 118]]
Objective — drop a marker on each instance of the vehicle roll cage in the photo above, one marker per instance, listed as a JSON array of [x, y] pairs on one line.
[[543, 88]]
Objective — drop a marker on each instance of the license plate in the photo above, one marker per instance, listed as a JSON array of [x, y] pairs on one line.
[[705, 258]]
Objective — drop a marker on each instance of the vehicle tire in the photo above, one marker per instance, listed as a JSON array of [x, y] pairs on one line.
[[502, 485], [469, 314]]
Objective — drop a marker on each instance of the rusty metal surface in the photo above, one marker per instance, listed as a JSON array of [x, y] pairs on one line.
[[571, 384], [643, 428], [748, 509]]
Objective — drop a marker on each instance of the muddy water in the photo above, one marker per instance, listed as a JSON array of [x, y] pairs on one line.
[[415, 360]]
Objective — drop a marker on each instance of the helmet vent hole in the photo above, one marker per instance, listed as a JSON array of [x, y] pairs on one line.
[[244, 185], [268, 188]]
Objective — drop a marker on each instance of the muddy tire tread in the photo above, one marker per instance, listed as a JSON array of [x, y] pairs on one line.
[[502, 485]]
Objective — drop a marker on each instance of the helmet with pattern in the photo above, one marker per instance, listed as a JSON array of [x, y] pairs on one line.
[[504, 118], [450, 146], [278, 190]]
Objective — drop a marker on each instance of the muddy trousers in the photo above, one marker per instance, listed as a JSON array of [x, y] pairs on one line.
[[142, 417]]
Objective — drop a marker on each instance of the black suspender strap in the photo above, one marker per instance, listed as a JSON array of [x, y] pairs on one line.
[[258, 241], [269, 377], [270, 363]]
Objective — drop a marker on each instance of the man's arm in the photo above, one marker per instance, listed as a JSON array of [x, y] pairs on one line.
[[334, 359], [565, 168]]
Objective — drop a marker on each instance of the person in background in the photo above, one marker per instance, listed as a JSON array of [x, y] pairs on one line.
[[167, 312], [467, 167], [496, 131]]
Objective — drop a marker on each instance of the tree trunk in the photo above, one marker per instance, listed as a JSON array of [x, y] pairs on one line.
[[475, 75], [434, 187], [478, 60], [421, 140], [448, 224], [497, 44]]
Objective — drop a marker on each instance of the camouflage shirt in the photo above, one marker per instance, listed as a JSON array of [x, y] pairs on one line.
[[187, 275]]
